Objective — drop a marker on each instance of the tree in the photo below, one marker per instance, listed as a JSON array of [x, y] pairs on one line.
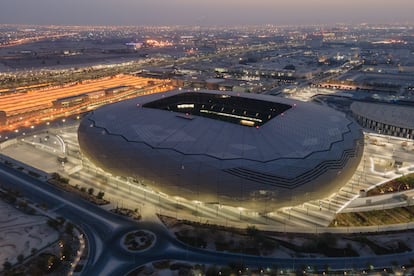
[[22, 204], [394, 263], [43, 206], [64, 180], [53, 223], [100, 195], [60, 220], [212, 271], [7, 265], [69, 228], [67, 251], [236, 267], [90, 191], [20, 258], [252, 231], [55, 175]]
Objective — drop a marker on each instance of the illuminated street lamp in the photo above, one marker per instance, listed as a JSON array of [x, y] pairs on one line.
[[241, 210]]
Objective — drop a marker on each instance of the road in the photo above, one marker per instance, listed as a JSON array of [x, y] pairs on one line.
[[105, 230]]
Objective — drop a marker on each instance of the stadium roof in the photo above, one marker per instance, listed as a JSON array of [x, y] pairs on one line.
[[295, 134], [303, 150], [390, 114]]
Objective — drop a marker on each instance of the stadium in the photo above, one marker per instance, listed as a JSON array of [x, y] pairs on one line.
[[244, 150]]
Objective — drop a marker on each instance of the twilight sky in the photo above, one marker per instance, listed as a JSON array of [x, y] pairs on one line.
[[207, 12]]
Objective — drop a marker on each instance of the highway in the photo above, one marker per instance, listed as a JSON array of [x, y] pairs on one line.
[[105, 230], [98, 224]]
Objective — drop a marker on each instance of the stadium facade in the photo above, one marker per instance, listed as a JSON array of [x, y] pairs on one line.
[[389, 119], [245, 150]]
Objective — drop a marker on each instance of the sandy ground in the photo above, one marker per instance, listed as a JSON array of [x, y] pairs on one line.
[[20, 233], [29, 155]]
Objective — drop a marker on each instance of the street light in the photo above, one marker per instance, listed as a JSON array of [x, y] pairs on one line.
[[240, 209]]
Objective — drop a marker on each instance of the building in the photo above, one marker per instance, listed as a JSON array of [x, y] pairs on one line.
[[389, 119], [116, 89], [34, 105], [70, 101], [244, 150], [3, 118]]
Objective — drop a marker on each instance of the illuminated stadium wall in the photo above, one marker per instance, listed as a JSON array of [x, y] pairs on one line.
[[253, 151]]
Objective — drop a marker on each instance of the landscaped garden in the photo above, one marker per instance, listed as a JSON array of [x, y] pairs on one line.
[[88, 194], [134, 214], [280, 244], [374, 217], [402, 183]]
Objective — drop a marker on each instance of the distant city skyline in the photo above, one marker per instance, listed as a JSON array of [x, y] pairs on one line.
[[212, 12]]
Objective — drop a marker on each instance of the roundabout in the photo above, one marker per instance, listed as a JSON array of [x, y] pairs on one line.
[[138, 241], [106, 233]]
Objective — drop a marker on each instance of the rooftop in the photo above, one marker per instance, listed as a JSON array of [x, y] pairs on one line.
[[303, 129], [232, 109], [391, 114]]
